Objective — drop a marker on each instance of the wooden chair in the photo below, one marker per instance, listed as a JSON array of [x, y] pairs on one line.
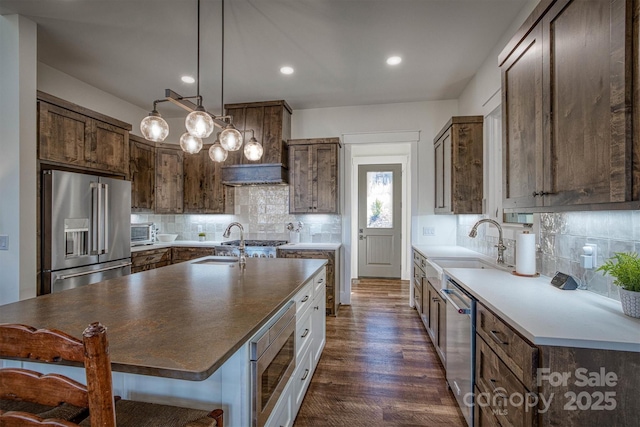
[[29, 398]]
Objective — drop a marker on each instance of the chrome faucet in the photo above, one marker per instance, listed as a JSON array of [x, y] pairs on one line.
[[227, 233], [501, 247]]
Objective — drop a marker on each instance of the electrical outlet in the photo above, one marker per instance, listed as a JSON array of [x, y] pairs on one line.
[[428, 231], [4, 243]]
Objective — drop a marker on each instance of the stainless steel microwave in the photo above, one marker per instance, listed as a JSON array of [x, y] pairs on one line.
[[143, 233]]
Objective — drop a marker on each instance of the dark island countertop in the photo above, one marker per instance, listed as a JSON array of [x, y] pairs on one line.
[[180, 321]]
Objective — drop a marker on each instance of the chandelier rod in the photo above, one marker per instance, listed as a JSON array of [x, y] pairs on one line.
[[198, 64], [222, 66]]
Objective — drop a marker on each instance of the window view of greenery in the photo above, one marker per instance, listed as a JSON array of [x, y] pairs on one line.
[[379, 199]]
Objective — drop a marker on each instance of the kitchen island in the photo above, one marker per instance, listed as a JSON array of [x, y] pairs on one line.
[[179, 331]]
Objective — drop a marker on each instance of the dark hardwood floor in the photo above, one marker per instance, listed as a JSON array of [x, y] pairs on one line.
[[379, 366]]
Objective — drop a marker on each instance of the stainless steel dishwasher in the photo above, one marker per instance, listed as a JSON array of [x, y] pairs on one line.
[[460, 345]]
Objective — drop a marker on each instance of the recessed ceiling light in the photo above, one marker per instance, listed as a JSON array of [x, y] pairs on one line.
[[188, 79], [286, 70], [394, 60]]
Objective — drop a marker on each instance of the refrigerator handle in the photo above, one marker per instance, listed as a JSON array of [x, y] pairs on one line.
[[95, 218], [105, 237], [100, 220], [85, 273]]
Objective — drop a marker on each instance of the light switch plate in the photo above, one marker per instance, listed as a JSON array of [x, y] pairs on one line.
[[4, 243]]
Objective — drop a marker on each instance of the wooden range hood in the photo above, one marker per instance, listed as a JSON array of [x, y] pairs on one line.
[[271, 122]]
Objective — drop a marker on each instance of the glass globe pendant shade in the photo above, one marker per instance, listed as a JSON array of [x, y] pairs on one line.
[[253, 150], [199, 123], [217, 153], [190, 144], [154, 128], [231, 138]]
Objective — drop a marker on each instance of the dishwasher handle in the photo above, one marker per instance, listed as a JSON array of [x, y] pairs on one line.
[[455, 306]]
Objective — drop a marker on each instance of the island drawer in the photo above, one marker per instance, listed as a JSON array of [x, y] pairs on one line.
[[500, 390], [516, 352], [304, 298], [302, 377], [304, 335], [319, 281]]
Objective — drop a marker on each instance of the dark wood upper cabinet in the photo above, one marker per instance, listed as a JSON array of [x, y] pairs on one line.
[[142, 171], [458, 166], [313, 175], [73, 136], [169, 179], [522, 122], [203, 189], [567, 100], [271, 122]]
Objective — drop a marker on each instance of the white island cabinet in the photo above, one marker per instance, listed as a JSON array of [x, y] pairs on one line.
[[310, 341]]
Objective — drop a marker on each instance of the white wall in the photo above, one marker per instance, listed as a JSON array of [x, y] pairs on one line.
[[482, 94], [426, 117], [69, 88], [18, 38]]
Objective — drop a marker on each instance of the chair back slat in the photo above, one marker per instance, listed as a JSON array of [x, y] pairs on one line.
[[47, 345], [23, 419], [20, 341], [50, 389]]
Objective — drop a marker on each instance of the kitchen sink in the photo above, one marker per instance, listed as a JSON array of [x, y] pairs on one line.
[[220, 260]]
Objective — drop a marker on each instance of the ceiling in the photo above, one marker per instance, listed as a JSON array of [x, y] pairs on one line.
[[134, 49]]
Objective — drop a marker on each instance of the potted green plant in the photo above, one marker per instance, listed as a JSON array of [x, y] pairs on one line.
[[202, 236], [624, 267]]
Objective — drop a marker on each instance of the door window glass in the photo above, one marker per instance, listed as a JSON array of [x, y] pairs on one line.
[[380, 199]]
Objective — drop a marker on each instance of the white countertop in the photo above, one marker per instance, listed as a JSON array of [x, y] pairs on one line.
[[542, 313], [446, 251], [319, 246], [212, 243]]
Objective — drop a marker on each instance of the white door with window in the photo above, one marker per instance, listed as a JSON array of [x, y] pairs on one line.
[[379, 220]]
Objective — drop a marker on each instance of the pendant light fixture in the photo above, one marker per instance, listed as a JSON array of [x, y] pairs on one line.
[[154, 127], [216, 152], [200, 123], [253, 149]]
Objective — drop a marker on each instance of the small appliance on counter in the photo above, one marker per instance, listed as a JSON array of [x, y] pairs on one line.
[[143, 233], [563, 281]]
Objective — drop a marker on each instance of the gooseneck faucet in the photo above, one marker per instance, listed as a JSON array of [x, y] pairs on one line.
[[501, 247], [227, 233]]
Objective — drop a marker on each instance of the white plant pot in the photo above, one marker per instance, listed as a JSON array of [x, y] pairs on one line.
[[630, 303]]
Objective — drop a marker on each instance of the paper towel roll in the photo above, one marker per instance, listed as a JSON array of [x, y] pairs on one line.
[[526, 253]]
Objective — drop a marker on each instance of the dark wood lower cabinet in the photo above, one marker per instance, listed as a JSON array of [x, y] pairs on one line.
[[437, 320], [573, 387], [149, 259], [333, 270], [182, 254]]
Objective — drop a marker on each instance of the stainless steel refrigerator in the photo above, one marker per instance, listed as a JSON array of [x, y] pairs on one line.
[[86, 229]]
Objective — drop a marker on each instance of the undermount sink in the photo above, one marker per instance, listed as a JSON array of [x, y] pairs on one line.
[[218, 260]]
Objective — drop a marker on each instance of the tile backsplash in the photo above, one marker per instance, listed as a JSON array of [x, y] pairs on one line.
[[561, 237], [263, 211]]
